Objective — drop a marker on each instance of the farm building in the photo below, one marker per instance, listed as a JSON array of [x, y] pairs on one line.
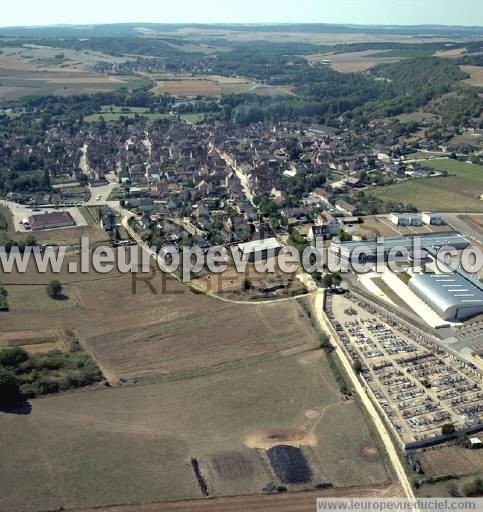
[[451, 296], [289, 464], [51, 221], [260, 249]]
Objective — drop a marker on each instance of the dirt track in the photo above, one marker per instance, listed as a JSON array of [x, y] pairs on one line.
[[371, 410], [288, 502]]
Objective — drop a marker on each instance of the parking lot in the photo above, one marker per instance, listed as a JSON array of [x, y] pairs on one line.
[[419, 385]]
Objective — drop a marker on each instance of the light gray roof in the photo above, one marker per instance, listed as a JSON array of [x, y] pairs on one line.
[[447, 290], [430, 241], [259, 245]]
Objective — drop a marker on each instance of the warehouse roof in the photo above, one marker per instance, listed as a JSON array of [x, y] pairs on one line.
[[447, 290], [430, 241]]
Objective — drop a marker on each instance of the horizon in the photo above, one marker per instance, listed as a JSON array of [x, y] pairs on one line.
[[468, 13], [241, 23]]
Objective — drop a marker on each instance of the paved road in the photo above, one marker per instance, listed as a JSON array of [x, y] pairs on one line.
[[370, 407], [454, 220]]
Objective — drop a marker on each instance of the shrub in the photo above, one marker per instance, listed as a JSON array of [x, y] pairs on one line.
[[54, 289], [12, 357]]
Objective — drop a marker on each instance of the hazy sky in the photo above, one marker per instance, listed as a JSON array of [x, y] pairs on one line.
[[401, 12]]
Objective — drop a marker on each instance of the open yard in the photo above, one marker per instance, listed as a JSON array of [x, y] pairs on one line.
[[134, 444], [455, 193]]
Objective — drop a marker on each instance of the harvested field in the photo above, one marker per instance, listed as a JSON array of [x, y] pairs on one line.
[[35, 341], [302, 501], [450, 54], [134, 444], [143, 335], [453, 460], [201, 86], [476, 75], [28, 71], [353, 62]]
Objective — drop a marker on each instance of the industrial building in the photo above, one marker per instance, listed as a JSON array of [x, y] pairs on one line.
[[451, 296], [431, 242], [406, 219], [51, 221]]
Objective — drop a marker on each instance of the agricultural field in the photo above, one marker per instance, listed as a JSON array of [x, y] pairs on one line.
[[175, 332], [476, 75], [353, 62], [211, 85], [464, 464], [455, 193], [134, 444], [37, 71], [15, 86]]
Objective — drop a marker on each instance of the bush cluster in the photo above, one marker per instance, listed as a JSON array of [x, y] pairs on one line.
[[54, 371]]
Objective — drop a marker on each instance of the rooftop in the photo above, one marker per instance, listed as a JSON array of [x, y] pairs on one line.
[[448, 290], [260, 245]]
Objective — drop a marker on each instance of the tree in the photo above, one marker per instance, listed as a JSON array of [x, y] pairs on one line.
[[447, 428], [9, 390], [344, 237], [54, 289], [12, 357], [327, 281], [474, 489], [336, 279], [357, 366], [324, 340]]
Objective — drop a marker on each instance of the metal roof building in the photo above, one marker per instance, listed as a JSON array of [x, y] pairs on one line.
[[432, 241], [451, 296]]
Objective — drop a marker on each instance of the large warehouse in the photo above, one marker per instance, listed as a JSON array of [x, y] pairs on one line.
[[451, 296], [431, 242]]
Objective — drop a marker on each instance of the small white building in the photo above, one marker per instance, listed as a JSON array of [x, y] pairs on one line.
[[431, 219], [406, 219], [475, 443]]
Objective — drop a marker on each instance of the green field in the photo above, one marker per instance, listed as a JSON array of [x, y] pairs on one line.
[[116, 116], [193, 118], [114, 113], [455, 193]]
